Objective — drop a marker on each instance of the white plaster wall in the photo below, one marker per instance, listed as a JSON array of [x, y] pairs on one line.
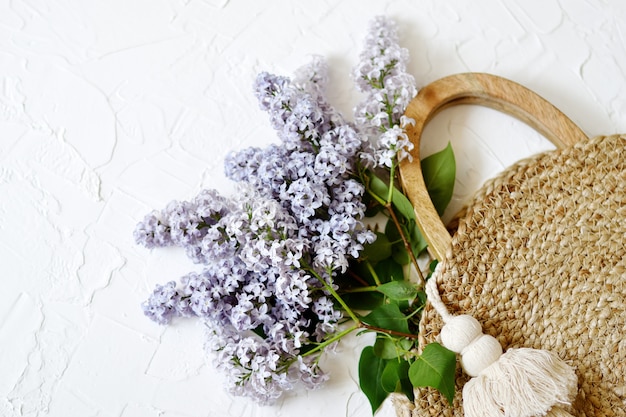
[[109, 109]]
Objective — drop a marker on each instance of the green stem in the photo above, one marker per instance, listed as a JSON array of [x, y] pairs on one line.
[[375, 197], [365, 179], [389, 108], [389, 332], [331, 340], [343, 303], [370, 268], [332, 291], [407, 245], [392, 174], [361, 289], [417, 310]]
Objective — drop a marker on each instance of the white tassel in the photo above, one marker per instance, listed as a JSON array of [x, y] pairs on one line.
[[522, 382], [519, 383]]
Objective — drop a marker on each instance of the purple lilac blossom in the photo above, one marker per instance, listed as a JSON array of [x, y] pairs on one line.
[[163, 304], [382, 75], [253, 294], [317, 154], [269, 253], [313, 79]]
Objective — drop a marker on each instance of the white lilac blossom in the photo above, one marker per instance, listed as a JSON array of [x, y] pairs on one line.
[[382, 75]]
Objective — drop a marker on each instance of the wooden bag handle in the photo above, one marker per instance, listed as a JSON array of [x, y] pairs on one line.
[[473, 88]]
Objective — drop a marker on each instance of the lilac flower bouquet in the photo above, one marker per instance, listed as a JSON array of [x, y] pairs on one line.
[[291, 262]]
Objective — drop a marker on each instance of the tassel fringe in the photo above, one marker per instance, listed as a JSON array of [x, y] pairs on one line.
[[521, 383]]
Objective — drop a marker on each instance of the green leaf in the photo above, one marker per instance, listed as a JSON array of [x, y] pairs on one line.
[[378, 250], [392, 231], [406, 217], [385, 347], [406, 344], [402, 204], [371, 368], [360, 268], [377, 186], [406, 386], [389, 270], [363, 300], [414, 236], [400, 254], [395, 378], [417, 240], [439, 171], [390, 379], [398, 250], [389, 317], [373, 207], [260, 332], [389, 347], [421, 295], [398, 290], [435, 368]]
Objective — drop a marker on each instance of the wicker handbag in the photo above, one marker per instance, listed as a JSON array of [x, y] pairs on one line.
[[539, 255]]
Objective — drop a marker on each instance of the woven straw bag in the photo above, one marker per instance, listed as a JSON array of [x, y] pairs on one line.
[[538, 257]]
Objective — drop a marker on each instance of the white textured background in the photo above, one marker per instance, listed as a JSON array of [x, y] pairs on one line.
[[109, 109]]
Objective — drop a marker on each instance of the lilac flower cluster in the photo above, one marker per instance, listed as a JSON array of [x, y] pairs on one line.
[[259, 302], [271, 252], [382, 75], [311, 173]]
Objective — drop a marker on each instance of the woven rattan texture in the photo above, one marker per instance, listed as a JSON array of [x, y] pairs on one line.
[[539, 259]]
